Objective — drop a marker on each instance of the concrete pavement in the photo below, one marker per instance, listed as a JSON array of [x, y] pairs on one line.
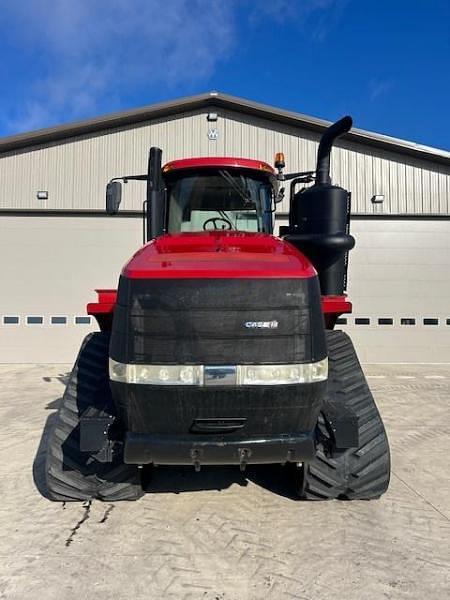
[[220, 535]]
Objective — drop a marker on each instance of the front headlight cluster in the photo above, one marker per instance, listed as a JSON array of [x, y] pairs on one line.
[[283, 374], [156, 374], [229, 375]]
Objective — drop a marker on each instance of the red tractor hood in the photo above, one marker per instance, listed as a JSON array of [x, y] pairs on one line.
[[221, 254]]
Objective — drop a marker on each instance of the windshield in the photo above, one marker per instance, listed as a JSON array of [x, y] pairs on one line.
[[219, 199]]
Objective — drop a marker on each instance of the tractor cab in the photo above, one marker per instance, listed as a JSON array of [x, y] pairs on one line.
[[206, 194], [203, 194]]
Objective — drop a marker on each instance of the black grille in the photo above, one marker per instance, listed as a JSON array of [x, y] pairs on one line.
[[203, 321]]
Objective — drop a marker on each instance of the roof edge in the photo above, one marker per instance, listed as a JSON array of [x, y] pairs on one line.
[[102, 123], [213, 98]]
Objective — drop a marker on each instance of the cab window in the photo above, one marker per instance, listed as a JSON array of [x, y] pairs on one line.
[[219, 199]]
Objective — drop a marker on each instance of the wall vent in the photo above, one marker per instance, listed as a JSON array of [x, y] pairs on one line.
[[385, 321], [407, 321], [11, 320], [82, 320], [57, 320], [35, 320]]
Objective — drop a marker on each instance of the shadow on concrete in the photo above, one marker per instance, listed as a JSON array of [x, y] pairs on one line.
[[163, 479], [62, 378], [54, 404]]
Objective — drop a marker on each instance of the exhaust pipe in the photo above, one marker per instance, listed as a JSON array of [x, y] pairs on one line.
[[319, 219], [326, 143]]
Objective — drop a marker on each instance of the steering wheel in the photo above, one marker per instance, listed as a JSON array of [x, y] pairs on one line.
[[227, 225]]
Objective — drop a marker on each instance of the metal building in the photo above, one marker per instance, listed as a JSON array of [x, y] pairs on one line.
[[57, 245]]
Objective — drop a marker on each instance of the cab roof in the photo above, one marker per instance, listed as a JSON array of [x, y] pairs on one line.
[[218, 162]]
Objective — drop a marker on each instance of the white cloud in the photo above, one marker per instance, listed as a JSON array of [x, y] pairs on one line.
[[94, 49], [319, 16], [91, 55]]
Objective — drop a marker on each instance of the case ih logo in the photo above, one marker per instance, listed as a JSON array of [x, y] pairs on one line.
[[261, 324]]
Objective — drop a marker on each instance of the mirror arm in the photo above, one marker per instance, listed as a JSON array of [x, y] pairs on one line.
[[126, 178], [307, 174]]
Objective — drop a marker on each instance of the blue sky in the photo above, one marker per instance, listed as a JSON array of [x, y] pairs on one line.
[[384, 62]]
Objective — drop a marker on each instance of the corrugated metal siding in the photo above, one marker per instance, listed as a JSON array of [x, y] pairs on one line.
[[75, 172]]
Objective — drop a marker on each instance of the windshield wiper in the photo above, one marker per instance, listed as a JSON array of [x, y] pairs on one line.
[[224, 216], [240, 189]]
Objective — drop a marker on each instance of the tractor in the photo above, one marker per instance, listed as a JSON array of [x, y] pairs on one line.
[[219, 345]]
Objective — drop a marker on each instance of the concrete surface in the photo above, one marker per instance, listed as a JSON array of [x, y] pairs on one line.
[[218, 535]]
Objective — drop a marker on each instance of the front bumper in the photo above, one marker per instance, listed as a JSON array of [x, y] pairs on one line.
[[197, 450]]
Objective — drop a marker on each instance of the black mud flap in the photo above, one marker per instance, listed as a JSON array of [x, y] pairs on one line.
[[342, 424], [94, 437]]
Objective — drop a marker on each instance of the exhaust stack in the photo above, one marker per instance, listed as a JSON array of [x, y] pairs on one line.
[[327, 140], [319, 218]]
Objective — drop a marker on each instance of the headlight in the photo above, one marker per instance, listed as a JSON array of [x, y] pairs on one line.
[[226, 375], [282, 374], [156, 374]]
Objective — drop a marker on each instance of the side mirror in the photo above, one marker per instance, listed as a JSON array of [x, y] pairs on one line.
[[280, 196], [113, 197]]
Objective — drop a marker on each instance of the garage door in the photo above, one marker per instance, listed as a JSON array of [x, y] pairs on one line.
[[399, 282], [50, 268]]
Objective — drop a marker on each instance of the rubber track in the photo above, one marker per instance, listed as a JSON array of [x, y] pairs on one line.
[[70, 473], [361, 473]]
